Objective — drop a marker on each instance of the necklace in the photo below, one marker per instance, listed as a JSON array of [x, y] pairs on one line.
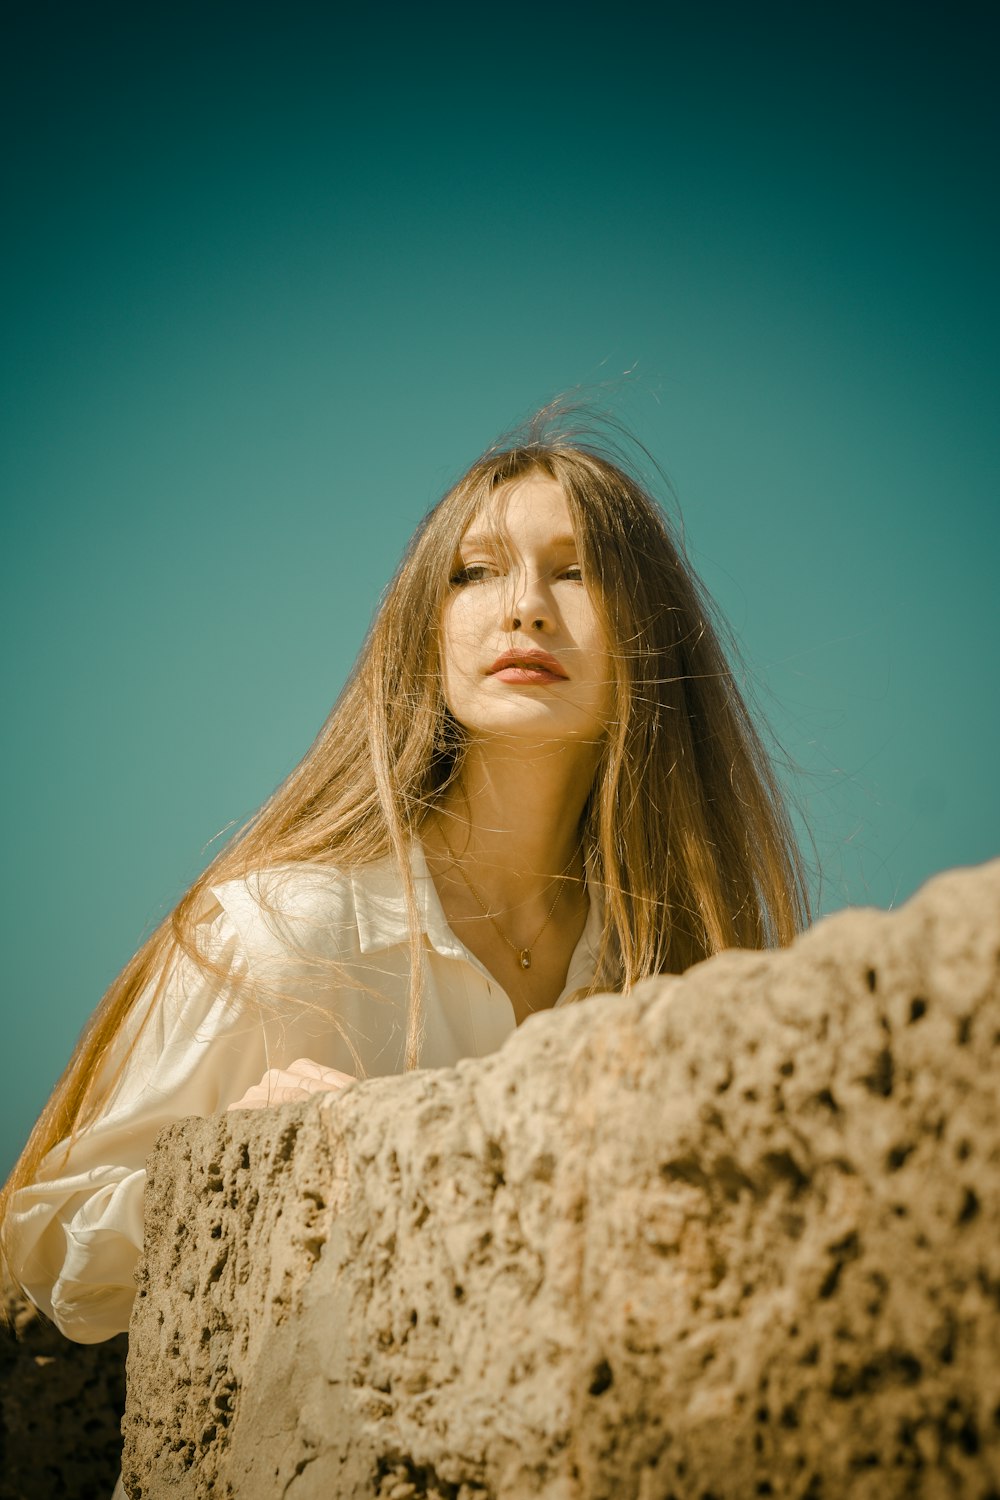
[[523, 954]]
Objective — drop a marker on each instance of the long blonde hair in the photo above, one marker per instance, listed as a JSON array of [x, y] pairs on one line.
[[687, 831]]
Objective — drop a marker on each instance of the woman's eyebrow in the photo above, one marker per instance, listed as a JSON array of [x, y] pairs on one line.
[[568, 542]]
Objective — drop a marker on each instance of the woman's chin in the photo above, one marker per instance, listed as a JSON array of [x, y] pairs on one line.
[[526, 730]]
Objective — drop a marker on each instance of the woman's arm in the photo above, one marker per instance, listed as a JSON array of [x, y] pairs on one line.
[[75, 1233]]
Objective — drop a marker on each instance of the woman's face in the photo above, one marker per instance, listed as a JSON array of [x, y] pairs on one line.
[[523, 654]]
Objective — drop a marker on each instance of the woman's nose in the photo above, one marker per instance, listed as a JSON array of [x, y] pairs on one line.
[[531, 606]]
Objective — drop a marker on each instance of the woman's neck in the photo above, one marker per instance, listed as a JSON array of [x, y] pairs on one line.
[[514, 816]]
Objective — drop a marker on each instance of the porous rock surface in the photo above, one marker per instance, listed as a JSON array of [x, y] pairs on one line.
[[735, 1234]]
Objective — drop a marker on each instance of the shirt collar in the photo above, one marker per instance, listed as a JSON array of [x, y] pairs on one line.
[[380, 906], [581, 965], [380, 909]]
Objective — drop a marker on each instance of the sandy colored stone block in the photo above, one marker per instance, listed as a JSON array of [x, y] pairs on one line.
[[735, 1234]]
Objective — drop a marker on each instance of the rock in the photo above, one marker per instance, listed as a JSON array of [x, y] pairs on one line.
[[735, 1234], [61, 1406]]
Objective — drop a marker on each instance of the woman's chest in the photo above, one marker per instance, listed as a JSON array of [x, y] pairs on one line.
[[531, 979]]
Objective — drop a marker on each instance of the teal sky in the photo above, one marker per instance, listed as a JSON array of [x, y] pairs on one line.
[[271, 281]]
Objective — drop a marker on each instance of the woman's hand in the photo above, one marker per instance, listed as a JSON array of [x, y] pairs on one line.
[[286, 1085]]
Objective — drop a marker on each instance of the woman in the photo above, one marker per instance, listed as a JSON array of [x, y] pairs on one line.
[[540, 782]]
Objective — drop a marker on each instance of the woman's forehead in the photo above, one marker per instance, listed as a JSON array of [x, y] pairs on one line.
[[533, 506]]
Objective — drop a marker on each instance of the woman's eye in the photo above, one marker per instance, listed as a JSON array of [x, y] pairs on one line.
[[480, 572], [473, 573]]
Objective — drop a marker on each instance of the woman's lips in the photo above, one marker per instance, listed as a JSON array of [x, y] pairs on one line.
[[533, 675], [528, 665]]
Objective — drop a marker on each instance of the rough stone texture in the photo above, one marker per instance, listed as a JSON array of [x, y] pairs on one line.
[[736, 1234], [61, 1406]]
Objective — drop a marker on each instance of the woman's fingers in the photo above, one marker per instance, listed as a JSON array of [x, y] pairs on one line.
[[299, 1080], [259, 1098], [314, 1075]]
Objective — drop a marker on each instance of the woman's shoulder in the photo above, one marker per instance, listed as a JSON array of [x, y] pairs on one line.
[[305, 908]]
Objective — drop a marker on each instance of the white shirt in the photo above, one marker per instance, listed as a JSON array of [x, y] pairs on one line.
[[76, 1232]]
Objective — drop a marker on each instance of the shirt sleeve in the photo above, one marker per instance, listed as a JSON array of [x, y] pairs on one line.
[[75, 1233]]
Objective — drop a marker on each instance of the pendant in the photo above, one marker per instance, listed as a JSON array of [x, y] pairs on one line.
[[525, 958]]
